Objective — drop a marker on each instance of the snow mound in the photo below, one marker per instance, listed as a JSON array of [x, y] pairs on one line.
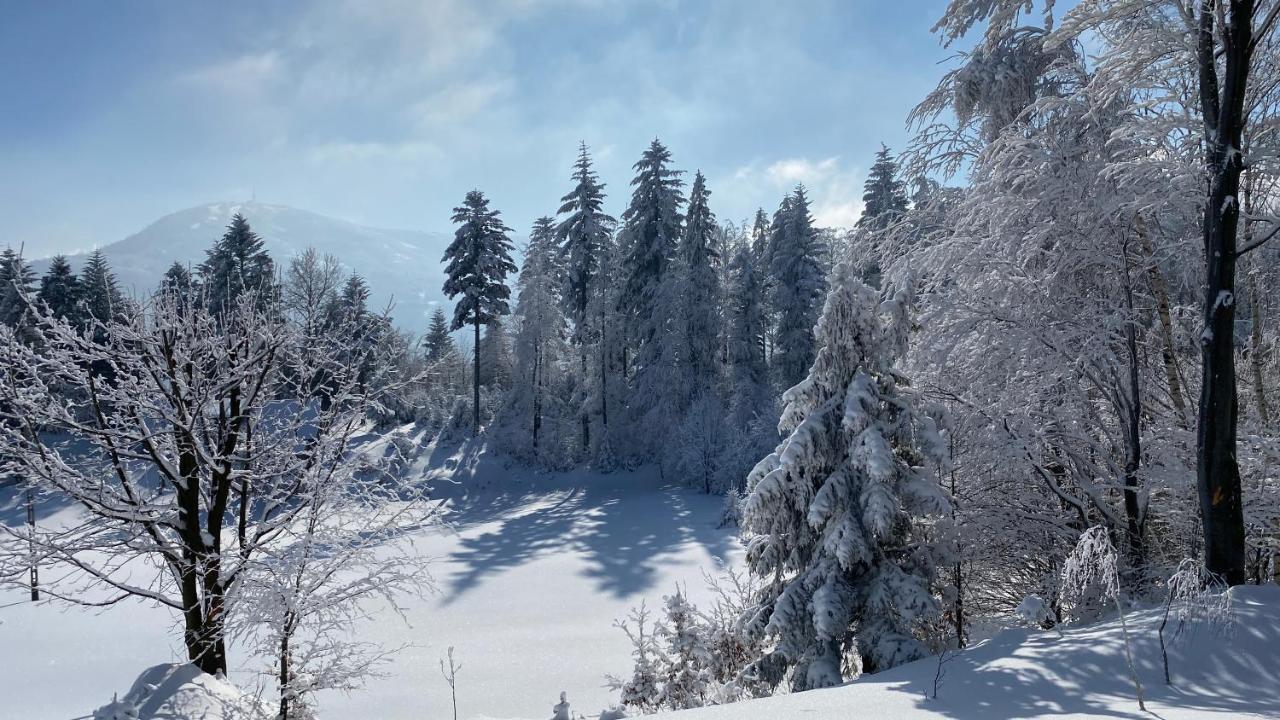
[[180, 691], [1033, 674]]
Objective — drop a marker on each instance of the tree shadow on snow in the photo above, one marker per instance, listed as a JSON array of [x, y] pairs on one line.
[[1209, 673], [623, 528]]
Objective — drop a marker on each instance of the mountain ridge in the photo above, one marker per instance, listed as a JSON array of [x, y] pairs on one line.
[[401, 267]]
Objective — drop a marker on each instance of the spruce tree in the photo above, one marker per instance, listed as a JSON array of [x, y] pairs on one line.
[[438, 344], [177, 280], [584, 236], [479, 259], [17, 288], [238, 263], [797, 256], [60, 289], [652, 227], [101, 297], [700, 295], [884, 196], [649, 295], [748, 323], [831, 514]]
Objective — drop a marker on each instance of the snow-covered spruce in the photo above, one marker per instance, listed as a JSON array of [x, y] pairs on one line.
[[831, 516]]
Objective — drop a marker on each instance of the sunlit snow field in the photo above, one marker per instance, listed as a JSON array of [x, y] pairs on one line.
[[531, 576]]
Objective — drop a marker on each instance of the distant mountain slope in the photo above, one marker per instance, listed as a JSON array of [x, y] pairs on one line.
[[400, 264]]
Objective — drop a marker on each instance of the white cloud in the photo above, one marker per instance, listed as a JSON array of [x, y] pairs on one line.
[[248, 74], [835, 191]]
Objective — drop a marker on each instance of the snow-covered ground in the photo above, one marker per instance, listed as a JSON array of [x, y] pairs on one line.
[[537, 567], [1034, 674], [530, 581]]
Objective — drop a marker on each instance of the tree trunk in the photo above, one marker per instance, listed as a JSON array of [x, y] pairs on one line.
[[286, 679], [1133, 510], [586, 420], [1160, 289], [1217, 473], [31, 545], [537, 392], [475, 383], [1255, 352]]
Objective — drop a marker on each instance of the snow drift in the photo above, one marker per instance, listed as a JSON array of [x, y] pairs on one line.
[[181, 691]]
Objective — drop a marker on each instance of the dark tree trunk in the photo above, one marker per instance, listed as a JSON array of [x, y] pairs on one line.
[[475, 383], [1217, 473], [286, 672], [1133, 507]]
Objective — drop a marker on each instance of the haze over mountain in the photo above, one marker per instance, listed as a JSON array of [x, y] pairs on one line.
[[399, 265]]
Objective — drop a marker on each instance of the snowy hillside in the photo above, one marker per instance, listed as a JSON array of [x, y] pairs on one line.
[[399, 264], [1037, 674]]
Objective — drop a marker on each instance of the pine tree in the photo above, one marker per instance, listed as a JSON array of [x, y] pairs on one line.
[[829, 517], [649, 296], [652, 228], [479, 259], [60, 289], [748, 324], [438, 344], [177, 279], [237, 264], [100, 295], [17, 291], [884, 196], [797, 255], [584, 237], [700, 295]]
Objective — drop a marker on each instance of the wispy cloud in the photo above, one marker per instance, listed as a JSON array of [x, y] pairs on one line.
[[834, 189]]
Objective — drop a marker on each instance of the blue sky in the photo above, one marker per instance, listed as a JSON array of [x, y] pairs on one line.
[[386, 112]]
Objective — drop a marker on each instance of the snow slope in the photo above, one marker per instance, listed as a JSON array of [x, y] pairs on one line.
[[533, 575], [1034, 674]]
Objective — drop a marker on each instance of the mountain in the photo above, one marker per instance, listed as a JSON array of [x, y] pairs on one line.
[[399, 265]]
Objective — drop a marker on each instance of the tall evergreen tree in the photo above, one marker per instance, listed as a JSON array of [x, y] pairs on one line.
[[700, 295], [17, 288], [829, 515], [797, 257], [101, 297], [748, 321], [652, 226], [438, 344], [238, 263], [60, 289], [177, 279], [884, 196], [479, 259], [648, 300], [584, 236]]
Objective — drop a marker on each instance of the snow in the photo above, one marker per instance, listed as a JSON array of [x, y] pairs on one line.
[[1035, 674], [178, 691], [537, 568], [531, 579]]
